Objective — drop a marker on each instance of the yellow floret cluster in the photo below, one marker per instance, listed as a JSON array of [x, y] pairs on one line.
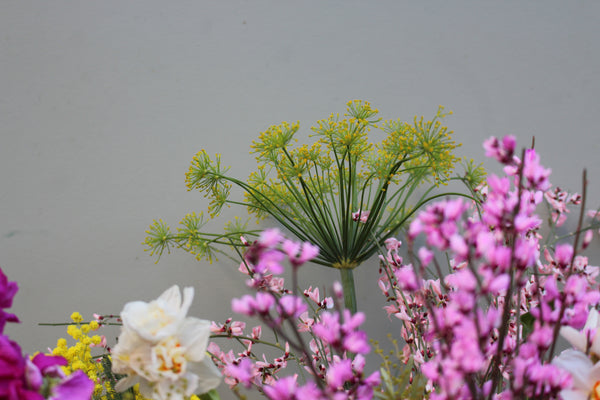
[[79, 356]]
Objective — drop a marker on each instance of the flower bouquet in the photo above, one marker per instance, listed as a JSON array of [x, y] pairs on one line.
[[484, 323]]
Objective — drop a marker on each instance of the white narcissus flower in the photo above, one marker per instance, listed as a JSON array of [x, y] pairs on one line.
[[163, 350], [585, 375], [161, 317]]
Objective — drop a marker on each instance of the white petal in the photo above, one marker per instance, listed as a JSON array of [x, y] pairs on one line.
[[574, 395], [188, 296], [593, 320], [171, 296], [146, 389], [579, 366], [152, 321], [575, 337], [191, 384], [209, 376], [595, 347], [126, 383], [194, 335], [594, 375]]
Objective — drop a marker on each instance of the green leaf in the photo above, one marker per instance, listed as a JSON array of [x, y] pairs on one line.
[[212, 395], [527, 320]]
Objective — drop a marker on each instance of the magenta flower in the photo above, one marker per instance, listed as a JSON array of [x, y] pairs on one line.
[[7, 293], [76, 386], [21, 378], [12, 369]]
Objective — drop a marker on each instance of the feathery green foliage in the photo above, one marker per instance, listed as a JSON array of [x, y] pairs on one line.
[[319, 192]]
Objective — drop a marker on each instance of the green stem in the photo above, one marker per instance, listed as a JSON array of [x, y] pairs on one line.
[[348, 286]]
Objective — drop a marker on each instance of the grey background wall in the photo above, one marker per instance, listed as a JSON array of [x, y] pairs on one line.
[[104, 104]]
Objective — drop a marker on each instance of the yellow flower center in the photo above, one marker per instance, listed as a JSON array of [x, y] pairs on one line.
[[170, 356], [596, 391]]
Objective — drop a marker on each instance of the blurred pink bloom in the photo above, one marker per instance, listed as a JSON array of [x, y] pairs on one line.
[[243, 372], [361, 216], [502, 151], [299, 253]]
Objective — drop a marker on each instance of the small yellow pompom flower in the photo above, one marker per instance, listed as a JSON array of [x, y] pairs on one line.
[[74, 332], [76, 317], [94, 325], [96, 339]]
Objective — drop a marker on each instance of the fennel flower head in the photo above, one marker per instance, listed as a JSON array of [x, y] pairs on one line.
[[164, 350]]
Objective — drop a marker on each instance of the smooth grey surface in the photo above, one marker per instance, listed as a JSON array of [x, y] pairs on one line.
[[105, 103]]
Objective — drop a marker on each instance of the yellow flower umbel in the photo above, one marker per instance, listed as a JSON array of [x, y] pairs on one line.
[[315, 191]]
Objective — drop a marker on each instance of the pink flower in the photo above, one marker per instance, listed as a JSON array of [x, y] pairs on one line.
[[563, 254], [291, 306], [392, 243], [248, 305], [425, 256], [536, 175], [356, 342], [407, 280], [501, 151], [270, 238], [243, 372], [282, 389], [339, 373], [361, 216], [305, 323], [343, 336], [299, 253]]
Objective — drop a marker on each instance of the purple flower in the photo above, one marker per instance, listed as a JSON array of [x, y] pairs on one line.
[[21, 378], [7, 293], [76, 386], [12, 369]]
